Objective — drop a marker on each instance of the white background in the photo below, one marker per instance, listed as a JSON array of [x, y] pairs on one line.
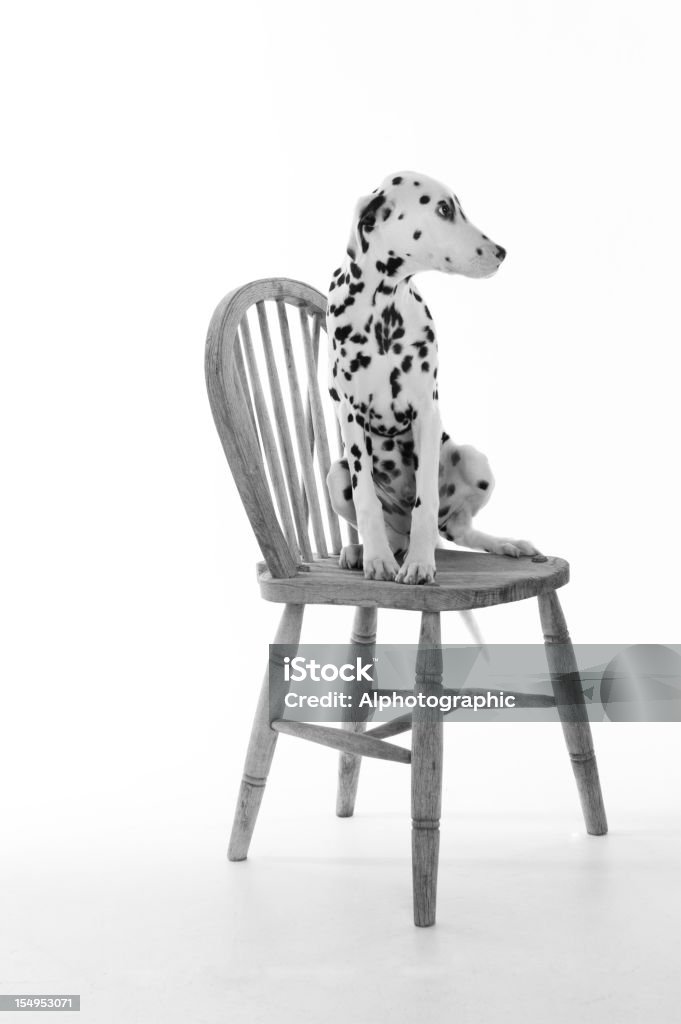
[[156, 156]]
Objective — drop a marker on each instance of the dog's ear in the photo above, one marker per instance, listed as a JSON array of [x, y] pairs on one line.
[[370, 211]]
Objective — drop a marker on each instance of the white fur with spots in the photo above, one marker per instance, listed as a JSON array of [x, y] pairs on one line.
[[402, 481]]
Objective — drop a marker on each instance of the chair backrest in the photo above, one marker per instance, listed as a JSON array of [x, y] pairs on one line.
[[263, 376]]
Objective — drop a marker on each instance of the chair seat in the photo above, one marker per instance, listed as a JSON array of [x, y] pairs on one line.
[[465, 579]]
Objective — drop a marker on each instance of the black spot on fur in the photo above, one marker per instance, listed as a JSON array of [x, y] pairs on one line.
[[334, 394], [424, 199], [359, 362], [479, 252], [425, 366], [397, 180], [483, 484], [406, 364], [390, 330], [391, 267], [355, 450], [456, 458], [347, 493], [451, 489], [354, 480], [417, 234], [337, 310], [417, 503], [445, 437]]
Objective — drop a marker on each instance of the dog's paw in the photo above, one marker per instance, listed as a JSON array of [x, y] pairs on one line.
[[351, 556], [514, 548], [416, 572], [380, 566]]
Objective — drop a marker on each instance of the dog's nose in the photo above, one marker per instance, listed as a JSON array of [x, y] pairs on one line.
[[500, 253]]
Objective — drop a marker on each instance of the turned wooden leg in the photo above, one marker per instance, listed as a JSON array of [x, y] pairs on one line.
[[426, 772], [263, 737], [567, 689], [363, 639]]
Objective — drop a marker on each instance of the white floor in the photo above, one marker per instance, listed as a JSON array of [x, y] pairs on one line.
[[137, 909]]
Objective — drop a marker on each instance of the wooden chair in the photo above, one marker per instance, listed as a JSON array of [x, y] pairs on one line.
[[267, 404]]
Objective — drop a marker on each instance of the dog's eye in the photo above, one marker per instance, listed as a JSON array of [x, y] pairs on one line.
[[443, 209]]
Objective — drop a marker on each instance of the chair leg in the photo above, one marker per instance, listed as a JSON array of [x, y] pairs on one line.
[[364, 637], [426, 773], [567, 688], [263, 739]]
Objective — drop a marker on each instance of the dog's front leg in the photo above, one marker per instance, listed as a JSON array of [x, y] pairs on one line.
[[378, 560], [419, 563]]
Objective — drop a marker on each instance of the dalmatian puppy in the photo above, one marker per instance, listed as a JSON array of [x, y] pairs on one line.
[[403, 482]]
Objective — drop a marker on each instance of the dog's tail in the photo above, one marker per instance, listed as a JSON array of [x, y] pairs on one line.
[[475, 631]]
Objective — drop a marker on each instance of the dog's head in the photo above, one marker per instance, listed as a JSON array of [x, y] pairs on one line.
[[419, 222]]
